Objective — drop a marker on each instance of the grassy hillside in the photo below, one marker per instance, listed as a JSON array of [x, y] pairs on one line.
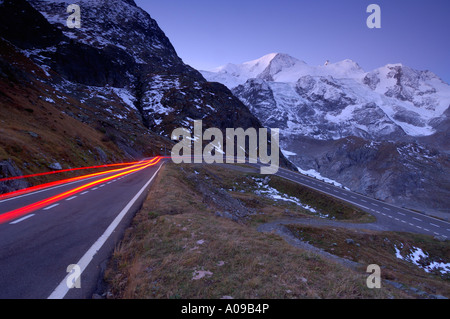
[[182, 245]]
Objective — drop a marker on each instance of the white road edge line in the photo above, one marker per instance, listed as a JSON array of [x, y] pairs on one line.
[[62, 289], [21, 219]]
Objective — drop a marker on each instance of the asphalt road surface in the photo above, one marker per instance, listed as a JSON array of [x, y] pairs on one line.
[[38, 248]]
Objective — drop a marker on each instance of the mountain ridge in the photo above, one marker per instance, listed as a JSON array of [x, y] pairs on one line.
[[335, 69], [413, 101]]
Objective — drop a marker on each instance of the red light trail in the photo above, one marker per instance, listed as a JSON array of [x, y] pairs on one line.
[[63, 171], [14, 214], [56, 183]]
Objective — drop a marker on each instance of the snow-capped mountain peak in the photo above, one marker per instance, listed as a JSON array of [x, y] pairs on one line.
[[280, 67], [267, 67], [255, 67], [342, 69], [338, 99]]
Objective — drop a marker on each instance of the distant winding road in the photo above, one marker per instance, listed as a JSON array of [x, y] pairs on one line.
[[391, 217]]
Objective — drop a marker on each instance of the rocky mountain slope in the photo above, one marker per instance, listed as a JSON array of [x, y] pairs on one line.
[[383, 133], [111, 90]]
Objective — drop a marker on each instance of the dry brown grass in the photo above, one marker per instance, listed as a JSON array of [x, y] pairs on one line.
[[243, 264], [371, 247], [175, 239]]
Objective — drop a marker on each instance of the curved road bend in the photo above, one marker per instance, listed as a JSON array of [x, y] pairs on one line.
[[392, 217]]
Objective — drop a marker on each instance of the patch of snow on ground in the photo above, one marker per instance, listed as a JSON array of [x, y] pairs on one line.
[[288, 153], [273, 193], [421, 259], [315, 174], [126, 97]]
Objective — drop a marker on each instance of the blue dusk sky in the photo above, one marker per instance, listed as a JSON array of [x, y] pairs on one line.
[[211, 33]]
